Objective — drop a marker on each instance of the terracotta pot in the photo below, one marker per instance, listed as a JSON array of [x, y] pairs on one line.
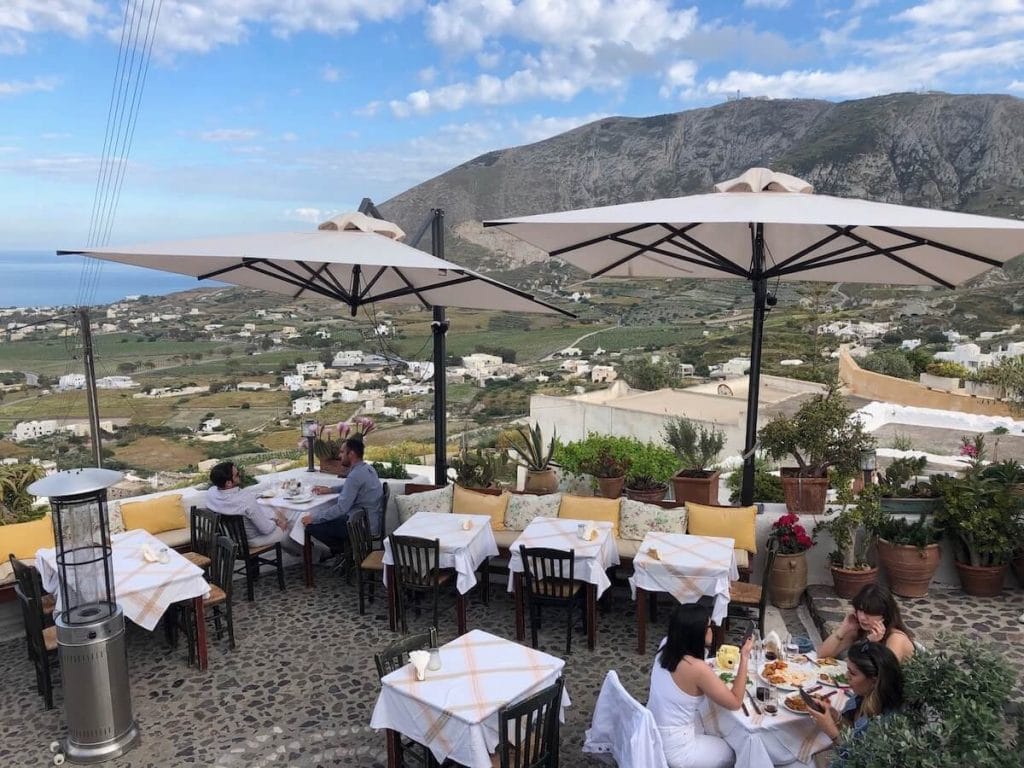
[[656, 494], [788, 580], [611, 487], [981, 580], [848, 582], [908, 569], [1018, 567], [333, 467], [805, 494], [543, 481], [702, 490]]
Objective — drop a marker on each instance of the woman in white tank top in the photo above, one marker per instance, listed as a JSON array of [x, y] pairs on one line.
[[680, 679]]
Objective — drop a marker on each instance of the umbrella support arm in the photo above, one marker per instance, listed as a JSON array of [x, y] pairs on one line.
[[760, 286]]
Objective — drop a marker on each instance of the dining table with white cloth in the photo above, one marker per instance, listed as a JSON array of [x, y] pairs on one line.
[[761, 740], [144, 590], [454, 710], [592, 559], [294, 509], [686, 567], [465, 542]]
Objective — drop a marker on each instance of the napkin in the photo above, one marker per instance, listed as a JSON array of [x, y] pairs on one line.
[[773, 641], [467, 524], [653, 554], [419, 660], [149, 554]]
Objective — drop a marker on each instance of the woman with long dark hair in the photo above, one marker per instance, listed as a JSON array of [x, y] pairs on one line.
[[680, 679], [876, 679], [875, 617]]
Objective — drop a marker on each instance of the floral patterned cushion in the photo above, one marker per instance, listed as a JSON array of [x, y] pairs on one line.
[[439, 500], [523, 507], [637, 519]]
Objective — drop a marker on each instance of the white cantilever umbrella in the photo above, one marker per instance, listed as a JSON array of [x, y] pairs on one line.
[[765, 226], [353, 259]]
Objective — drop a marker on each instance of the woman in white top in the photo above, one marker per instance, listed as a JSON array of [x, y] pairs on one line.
[[680, 679]]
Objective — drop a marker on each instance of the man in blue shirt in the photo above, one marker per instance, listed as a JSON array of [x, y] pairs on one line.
[[361, 490]]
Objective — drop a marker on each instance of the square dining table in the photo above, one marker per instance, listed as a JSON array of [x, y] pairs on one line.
[[454, 710], [294, 509], [462, 549], [144, 590], [688, 568], [592, 560]]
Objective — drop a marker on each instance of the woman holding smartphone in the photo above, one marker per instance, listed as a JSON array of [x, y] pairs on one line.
[[876, 679], [680, 679], [875, 617]]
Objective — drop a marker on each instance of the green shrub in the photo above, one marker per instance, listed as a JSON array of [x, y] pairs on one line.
[[948, 369], [767, 487]]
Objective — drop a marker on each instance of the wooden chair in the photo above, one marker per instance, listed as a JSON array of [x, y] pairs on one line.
[[203, 525], [394, 657], [32, 584], [368, 562], [417, 570], [528, 734], [42, 641], [219, 600], [253, 558], [748, 598], [377, 537], [549, 579]]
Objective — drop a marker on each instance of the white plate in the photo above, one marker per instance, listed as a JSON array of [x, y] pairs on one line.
[[267, 494], [809, 675], [785, 704], [300, 499]]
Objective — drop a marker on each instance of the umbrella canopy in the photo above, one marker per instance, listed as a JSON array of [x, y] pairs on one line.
[[352, 259], [765, 226]]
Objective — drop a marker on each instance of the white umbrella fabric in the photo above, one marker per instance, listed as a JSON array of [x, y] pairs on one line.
[[765, 226], [353, 259]]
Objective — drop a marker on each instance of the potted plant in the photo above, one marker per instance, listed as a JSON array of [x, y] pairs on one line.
[[788, 577], [392, 470], [650, 467], [767, 486], [477, 470], [979, 512], [17, 505], [603, 457], [329, 439], [850, 530], [697, 446], [902, 492], [528, 445], [820, 435]]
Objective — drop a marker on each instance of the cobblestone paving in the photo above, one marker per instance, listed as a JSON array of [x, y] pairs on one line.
[[300, 687]]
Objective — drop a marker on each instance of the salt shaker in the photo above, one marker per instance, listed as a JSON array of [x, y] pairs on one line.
[[435, 659]]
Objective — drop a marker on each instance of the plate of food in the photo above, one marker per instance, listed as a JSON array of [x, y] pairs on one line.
[[785, 675], [832, 671], [795, 704], [301, 498]]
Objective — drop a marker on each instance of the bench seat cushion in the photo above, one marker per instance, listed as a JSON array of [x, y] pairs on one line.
[[591, 508], [467, 502], [23, 540], [639, 519], [504, 538], [736, 523], [523, 508], [176, 538], [155, 515]]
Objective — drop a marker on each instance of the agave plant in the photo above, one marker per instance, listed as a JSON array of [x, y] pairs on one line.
[[15, 500], [529, 448]]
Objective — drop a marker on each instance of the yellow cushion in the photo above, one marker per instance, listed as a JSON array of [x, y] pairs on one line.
[[591, 508], [164, 513], [736, 523], [467, 502], [23, 539]]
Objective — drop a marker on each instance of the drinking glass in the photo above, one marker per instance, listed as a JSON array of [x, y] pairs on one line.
[[435, 659], [771, 705], [792, 649]]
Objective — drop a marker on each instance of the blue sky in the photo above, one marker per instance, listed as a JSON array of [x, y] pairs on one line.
[[275, 114]]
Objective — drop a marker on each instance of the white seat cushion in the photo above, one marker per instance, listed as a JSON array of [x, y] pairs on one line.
[[176, 538]]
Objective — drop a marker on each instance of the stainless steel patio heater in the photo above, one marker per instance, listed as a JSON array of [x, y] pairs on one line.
[[90, 625]]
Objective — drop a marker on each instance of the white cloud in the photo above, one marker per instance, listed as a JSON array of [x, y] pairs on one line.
[[19, 18], [957, 13], [18, 87], [538, 127], [309, 215], [680, 75], [1016, 85], [369, 110], [770, 4], [228, 135], [289, 136], [427, 75], [330, 74], [856, 82]]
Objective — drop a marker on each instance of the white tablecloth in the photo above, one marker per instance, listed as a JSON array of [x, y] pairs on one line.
[[295, 511], [144, 590], [454, 711], [762, 741], [463, 550], [593, 558], [688, 567]]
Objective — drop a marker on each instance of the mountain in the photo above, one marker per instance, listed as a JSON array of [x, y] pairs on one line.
[[937, 150]]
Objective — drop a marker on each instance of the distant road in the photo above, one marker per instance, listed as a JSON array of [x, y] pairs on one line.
[[551, 356]]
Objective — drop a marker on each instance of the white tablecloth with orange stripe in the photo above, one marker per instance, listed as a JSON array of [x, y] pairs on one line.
[[688, 567], [763, 741], [454, 711], [463, 549], [592, 558], [144, 590]]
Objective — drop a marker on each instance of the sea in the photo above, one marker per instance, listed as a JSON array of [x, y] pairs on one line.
[[43, 279]]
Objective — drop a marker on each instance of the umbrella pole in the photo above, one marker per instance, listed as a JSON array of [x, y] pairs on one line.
[[760, 284], [439, 327]]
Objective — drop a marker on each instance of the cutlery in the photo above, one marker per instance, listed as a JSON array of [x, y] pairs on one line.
[[745, 710], [812, 690], [753, 702]]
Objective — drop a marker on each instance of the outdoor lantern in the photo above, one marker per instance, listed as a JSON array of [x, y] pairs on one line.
[[309, 427], [90, 625], [868, 465]]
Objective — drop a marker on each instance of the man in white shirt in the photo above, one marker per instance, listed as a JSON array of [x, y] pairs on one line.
[[263, 525]]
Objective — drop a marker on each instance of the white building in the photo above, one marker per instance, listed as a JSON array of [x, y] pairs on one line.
[[686, 369], [347, 358], [857, 330], [116, 382], [71, 381], [968, 355], [736, 366], [304, 405], [421, 369], [310, 368], [30, 430], [908, 345], [253, 386], [603, 373], [210, 425], [293, 383], [570, 352], [322, 333], [479, 361]]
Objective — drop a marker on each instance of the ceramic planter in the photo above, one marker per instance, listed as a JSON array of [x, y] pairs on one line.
[[804, 494], [788, 580], [701, 490], [981, 580], [611, 487], [848, 582], [655, 494], [909, 569], [542, 481]]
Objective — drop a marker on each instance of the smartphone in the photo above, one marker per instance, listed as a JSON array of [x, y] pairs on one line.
[[750, 634], [810, 701]]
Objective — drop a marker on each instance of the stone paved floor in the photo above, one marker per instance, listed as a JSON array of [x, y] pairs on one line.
[[301, 685]]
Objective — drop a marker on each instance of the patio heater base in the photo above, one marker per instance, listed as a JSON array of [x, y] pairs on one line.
[[97, 695]]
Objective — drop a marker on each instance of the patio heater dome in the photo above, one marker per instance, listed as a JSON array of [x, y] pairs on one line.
[[90, 625]]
